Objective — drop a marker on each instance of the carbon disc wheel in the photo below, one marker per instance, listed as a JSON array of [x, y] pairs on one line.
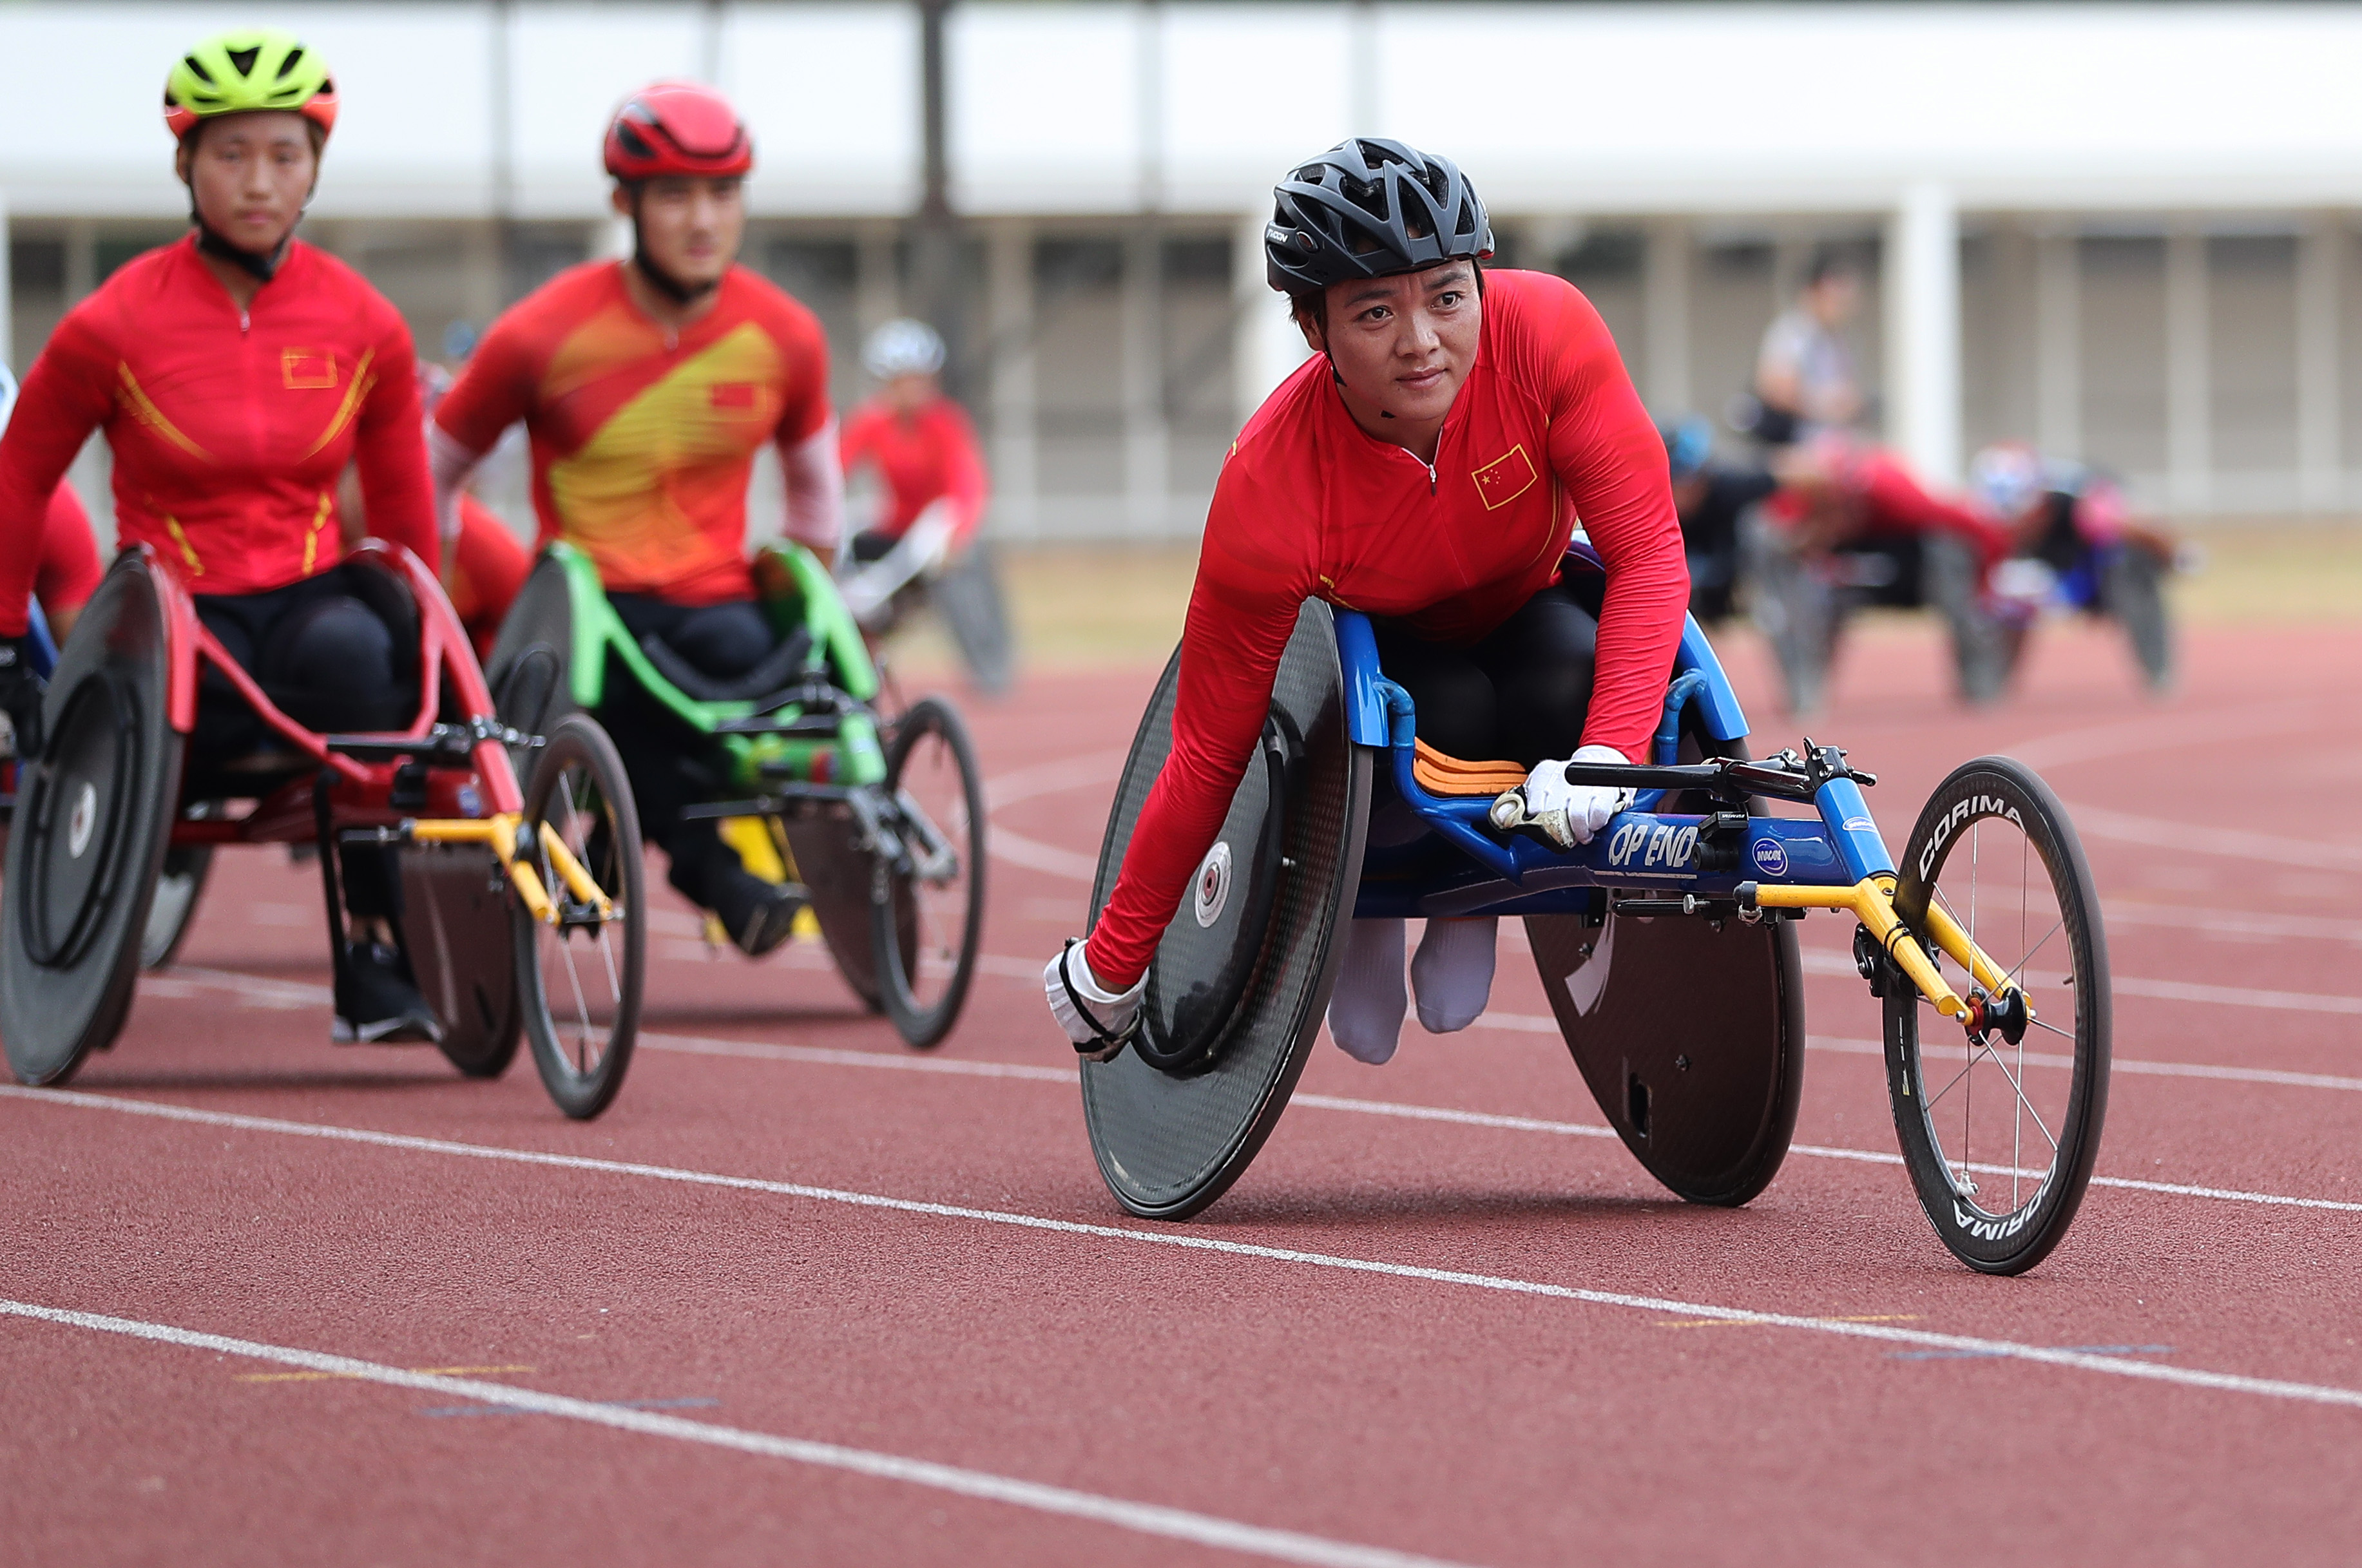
[[1999, 1134], [579, 977]]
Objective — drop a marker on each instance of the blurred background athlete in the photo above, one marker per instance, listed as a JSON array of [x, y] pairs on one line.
[[646, 387], [234, 374]]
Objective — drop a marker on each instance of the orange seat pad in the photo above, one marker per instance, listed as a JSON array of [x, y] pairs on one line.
[[1441, 775]]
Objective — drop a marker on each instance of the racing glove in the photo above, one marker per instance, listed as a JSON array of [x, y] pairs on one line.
[[1100, 1022], [1547, 807], [20, 694]]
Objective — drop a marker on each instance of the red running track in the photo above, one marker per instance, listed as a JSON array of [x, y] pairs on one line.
[[803, 1297]]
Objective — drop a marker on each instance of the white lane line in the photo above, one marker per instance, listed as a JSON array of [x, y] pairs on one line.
[[820, 1055], [1144, 1519], [2163, 733], [2237, 844], [1047, 779], [2190, 1377], [2234, 922]]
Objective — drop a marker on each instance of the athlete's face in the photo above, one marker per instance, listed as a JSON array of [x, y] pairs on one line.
[[908, 394], [691, 227], [251, 175], [1403, 345]]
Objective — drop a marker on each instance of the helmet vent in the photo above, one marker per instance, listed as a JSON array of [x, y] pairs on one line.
[[287, 66], [196, 68], [243, 58]]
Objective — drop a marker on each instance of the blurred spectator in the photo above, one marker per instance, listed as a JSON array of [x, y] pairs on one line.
[[1804, 380], [1711, 498]]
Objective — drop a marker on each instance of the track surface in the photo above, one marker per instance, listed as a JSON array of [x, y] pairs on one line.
[[802, 1296]]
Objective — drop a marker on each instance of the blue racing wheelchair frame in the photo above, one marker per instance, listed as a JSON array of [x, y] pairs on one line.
[[1668, 948]]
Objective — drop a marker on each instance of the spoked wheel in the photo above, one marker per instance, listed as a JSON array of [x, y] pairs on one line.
[[2134, 591], [178, 887], [2000, 1127], [580, 977], [925, 927]]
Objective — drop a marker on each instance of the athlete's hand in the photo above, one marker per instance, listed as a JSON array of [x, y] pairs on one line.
[[1562, 813], [1100, 1022], [20, 694]]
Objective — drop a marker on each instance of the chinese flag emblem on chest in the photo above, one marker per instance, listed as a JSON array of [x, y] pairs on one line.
[[1506, 478]]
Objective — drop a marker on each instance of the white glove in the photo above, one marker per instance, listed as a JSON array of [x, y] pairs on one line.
[[1100, 1022], [1565, 815]]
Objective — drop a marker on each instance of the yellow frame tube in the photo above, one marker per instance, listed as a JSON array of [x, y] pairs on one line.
[[562, 861], [1872, 901], [500, 832]]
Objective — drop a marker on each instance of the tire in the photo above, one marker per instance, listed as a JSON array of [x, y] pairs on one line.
[[1997, 847], [180, 886], [967, 596], [1797, 610], [2134, 591], [584, 1045], [925, 930]]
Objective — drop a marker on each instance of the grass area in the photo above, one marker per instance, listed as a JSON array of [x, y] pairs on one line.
[[1078, 605]]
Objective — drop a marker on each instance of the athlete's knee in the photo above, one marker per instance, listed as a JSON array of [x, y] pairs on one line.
[[330, 665], [723, 640]]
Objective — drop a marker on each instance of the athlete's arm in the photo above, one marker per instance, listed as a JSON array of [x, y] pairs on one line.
[[493, 392], [815, 482], [65, 398], [1607, 453], [397, 498], [1242, 613], [69, 570], [965, 484]]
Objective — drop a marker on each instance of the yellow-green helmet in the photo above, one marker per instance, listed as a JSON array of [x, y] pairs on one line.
[[244, 70]]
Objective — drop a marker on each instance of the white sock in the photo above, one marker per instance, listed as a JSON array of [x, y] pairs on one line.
[[1452, 973], [1365, 1010]]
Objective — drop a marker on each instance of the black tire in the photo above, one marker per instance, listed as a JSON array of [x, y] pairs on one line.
[[1797, 608], [2133, 590], [2025, 894], [584, 1046], [967, 596], [180, 887], [92, 820], [925, 930]]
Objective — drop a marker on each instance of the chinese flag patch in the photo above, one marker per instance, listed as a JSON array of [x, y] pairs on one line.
[[1506, 478], [732, 394], [307, 370]]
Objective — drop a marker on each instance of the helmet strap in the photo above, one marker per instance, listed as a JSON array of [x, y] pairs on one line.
[[262, 268], [659, 280]]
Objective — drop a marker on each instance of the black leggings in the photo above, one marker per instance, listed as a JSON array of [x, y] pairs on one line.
[[668, 763], [1518, 694], [332, 664]]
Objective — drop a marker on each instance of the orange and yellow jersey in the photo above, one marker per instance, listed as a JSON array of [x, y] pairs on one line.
[[644, 438], [228, 427]]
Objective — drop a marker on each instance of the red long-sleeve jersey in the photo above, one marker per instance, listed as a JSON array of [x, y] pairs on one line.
[[228, 428], [1546, 431], [68, 570], [927, 458]]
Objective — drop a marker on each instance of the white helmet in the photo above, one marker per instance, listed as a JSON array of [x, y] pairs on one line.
[[903, 348]]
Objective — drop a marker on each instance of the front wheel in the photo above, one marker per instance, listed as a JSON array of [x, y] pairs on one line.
[[580, 976], [2000, 1134], [925, 924]]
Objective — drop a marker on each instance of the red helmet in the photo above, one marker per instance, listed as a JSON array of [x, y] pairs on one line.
[[677, 128]]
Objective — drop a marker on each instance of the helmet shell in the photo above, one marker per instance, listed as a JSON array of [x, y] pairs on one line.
[[903, 348], [245, 70], [678, 129], [2006, 477], [1370, 208], [1689, 443]]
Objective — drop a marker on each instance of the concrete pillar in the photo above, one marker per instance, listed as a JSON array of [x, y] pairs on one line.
[[2320, 398], [2188, 396], [1016, 438], [480, 282], [1922, 285], [82, 260], [1147, 450], [877, 289], [1665, 313], [2058, 345], [609, 238], [1267, 346], [1365, 95]]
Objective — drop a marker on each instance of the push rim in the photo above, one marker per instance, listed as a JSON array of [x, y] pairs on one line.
[[583, 974], [2002, 1131], [926, 925]]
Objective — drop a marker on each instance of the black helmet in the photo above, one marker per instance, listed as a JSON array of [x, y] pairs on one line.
[[1368, 208]]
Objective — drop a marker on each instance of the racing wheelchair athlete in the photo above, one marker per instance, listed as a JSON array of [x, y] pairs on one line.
[[739, 693], [234, 679], [1397, 639]]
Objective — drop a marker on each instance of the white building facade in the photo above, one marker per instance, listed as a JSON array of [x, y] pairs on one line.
[[2129, 233]]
